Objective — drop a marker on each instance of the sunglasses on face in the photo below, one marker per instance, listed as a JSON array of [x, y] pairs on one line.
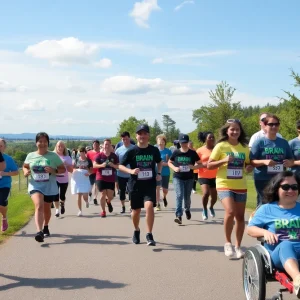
[[233, 121], [286, 187], [273, 124]]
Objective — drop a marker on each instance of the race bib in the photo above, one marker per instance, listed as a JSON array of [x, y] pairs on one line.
[[106, 172], [40, 177], [145, 174], [275, 169], [184, 168], [234, 173]]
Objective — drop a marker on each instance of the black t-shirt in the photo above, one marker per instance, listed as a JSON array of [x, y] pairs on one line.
[[183, 160], [145, 159]]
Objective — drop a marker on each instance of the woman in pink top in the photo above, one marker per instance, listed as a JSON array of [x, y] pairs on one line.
[[62, 179]]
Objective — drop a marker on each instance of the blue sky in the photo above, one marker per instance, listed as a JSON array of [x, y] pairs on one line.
[[75, 67]]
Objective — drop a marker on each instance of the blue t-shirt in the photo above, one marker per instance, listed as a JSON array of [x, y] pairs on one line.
[[163, 154], [120, 144], [120, 152], [263, 148], [5, 181], [295, 147], [283, 222]]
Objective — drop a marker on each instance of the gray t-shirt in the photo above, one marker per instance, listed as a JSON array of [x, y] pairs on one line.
[[295, 147]]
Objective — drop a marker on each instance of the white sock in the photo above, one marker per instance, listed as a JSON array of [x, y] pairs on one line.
[[56, 211]]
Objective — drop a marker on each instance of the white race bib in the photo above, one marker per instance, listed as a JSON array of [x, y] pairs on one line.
[[184, 168], [145, 174], [275, 169], [106, 172], [40, 177], [234, 173]]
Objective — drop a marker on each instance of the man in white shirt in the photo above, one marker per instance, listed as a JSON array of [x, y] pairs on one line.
[[259, 134]]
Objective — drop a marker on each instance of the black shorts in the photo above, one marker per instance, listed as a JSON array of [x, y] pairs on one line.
[[104, 185], [164, 182], [138, 199], [47, 198], [62, 187], [4, 193], [209, 181], [92, 178]]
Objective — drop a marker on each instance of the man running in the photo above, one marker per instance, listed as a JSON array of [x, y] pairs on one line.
[[123, 177], [142, 160], [91, 155]]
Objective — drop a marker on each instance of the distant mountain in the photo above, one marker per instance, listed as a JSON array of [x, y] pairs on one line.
[[31, 136]]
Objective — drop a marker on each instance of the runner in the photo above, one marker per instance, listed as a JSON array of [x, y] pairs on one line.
[[142, 182], [263, 130], [165, 154], [80, 184], [295, 147], [2, 162], [106, 163], [91, 155], [119, 144], [231, 156], [269, 155], [5, 182], [62, 179], [183, 161], [42, 166], [174, 146], [121, 176], [207, 178], [191, 146]]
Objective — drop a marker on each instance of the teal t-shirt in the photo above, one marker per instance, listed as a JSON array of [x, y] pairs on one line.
[[165, 156], [295, 147], [40, 180]]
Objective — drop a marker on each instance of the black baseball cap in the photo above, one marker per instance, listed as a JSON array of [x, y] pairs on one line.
[[183, 138], [141, 127]]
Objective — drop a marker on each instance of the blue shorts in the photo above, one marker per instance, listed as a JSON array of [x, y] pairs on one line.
[[237, 197]]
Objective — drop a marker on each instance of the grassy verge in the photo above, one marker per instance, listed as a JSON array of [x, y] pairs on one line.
[[20, 207]]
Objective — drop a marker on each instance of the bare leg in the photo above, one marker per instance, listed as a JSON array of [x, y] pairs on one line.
[[47, 213], [149, 216], [205, 195], [79, 201], [158, 195], [213, 197], [3, 211], [103, 200], [38, 201], [240, 222], [228, 204], [136, 218]]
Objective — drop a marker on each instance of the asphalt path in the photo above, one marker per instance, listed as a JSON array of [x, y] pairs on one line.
[[90, 257]]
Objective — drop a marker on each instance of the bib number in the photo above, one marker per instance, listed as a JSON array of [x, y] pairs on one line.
[[40, 177], [106, 172], [145, 175], [275, 169], [184, 168], [234, 173]]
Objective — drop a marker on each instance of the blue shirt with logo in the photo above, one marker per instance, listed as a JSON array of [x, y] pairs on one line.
[[5, 181], [165, 156], [295, 147]]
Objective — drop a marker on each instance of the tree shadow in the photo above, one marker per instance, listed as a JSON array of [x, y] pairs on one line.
[[186, 247], [59, 283]]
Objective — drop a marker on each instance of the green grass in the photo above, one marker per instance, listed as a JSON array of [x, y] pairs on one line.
[[20, 207]]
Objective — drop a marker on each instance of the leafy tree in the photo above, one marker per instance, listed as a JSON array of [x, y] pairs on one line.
[[155, 131], [169, 128], [130, 125]]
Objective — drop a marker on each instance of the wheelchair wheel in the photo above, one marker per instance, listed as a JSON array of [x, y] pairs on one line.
[[254, 279]]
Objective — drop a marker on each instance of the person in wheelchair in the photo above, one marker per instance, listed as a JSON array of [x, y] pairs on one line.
[[278, 222]]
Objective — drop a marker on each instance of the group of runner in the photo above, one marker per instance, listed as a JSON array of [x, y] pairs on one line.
[[143, 171]]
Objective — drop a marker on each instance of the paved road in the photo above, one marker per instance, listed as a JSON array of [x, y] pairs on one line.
[[94, 258]]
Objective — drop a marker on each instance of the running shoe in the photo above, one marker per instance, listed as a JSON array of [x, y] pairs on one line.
[[56, 213], [103, 214], [165, 202], [39, 237], [87, 205], [158, 207], [188, 214], [46, 231], [204, 215], [178, 220], [110, 207], [194, 191], [79, 214], [296, 284], [4, 225], [228, 249], [90, 197], [239, 252], [150, 240], [123, 210], [136, 237], [62, 208], [212, 212], [95, 202]]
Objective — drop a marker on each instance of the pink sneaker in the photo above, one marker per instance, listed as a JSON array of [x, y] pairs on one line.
[[4, 225]]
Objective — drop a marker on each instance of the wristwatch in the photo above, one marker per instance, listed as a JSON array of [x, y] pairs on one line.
[[158, 173]]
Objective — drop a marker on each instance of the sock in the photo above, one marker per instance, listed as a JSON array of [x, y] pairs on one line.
[[57, 211]]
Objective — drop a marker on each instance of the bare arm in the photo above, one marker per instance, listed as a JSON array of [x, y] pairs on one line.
[[26, 170], [270, 237], [215, 164], [13, 173], [171, 165]]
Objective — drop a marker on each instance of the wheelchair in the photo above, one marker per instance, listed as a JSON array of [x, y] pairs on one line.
[[258, 270]]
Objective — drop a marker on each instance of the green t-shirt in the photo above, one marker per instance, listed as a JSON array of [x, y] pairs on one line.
[[39, 179]]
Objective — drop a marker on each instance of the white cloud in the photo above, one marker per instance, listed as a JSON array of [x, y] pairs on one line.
[[158, 60], [142, 10], [103, 63], [180, 6], [31, 105], [84, 104], [180, 90], [63, 52], [7, 87]]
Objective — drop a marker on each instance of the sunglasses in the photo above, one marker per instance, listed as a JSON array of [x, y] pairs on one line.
[[233, 121], [286, 187], [273, 124]]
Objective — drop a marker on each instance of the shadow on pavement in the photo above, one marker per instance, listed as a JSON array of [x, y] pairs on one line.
[[59, 283], [174, 247]]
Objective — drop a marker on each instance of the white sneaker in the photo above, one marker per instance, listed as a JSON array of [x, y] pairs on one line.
[[194, 192], [239, 252], [87, 205], [228, 249], [296, 284], [79, 214]]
